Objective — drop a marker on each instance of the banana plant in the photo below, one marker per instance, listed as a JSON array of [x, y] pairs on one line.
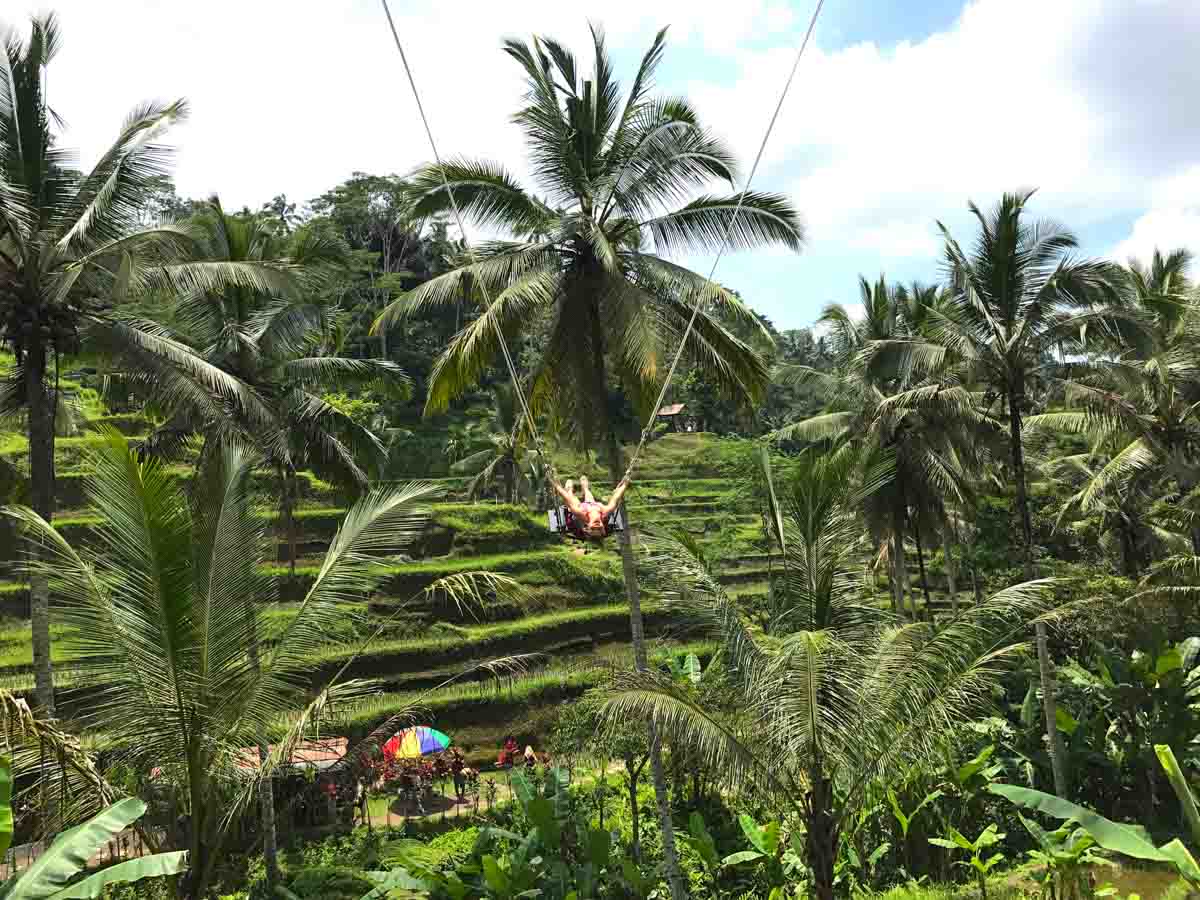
[[1065, 858], [1128, 840], [782, 856], [982, 867], [52, 875]]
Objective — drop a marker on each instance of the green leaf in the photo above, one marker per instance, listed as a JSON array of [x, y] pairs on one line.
[[989, 836], [6, 815], [71, 850], [742, 856], [925, 801], [1183, 791], [968, 769], [897, 812], [1168, 661], [152, 866], [877, 854], [1126, 839], [1183, 860], [692, 668], [1029, 707], [496, 877], [771, 832], [1065, 721], [393, 880], [942, 842], [753, 833], [1039, 833]]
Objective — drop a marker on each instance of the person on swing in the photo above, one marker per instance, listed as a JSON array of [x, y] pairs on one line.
[[590, 518]]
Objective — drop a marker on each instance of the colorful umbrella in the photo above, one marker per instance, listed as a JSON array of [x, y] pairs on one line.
[[412, 742]]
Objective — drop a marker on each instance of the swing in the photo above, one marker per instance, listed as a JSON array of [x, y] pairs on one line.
[[561, 519]]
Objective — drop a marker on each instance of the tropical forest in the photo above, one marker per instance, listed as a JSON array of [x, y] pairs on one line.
[[465, 531]]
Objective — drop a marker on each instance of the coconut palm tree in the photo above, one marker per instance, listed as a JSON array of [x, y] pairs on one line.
[[71, 246], [839, 696], [507, 457], [167, 608], [587, 263], [1123, 511], [1017, 300], [936, 453], [279, 343], [1139, 395]]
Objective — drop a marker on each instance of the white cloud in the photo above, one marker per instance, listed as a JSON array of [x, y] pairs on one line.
[[876, 143], [294, 95], [1091, 100], [1172, 221]]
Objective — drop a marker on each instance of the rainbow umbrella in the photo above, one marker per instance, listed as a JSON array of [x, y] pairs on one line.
[[413, 742]]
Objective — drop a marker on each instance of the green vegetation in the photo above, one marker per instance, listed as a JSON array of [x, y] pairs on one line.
[[909, 611]]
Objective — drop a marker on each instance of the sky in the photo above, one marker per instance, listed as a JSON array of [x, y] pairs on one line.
[[902, 111]]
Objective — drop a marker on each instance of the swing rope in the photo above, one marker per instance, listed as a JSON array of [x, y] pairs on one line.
[[724, 244], [666, 385], [508, 360]]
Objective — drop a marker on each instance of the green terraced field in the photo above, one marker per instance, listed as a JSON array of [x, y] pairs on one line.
[[570, 616]]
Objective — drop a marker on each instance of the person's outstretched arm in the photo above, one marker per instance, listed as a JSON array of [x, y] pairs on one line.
[[615, 500], [568, 498]]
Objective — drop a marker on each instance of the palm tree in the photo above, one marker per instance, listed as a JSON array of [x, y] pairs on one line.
[[1017, 300], [614, 173], [1123, 510], [72, 245], [167, 605], [507, 457], [1140, 395], [839, 696], [935, 452], [278, 343]]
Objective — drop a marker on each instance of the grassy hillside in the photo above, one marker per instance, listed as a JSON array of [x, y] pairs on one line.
[[572, 615]]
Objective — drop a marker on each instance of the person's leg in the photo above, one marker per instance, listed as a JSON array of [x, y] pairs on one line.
[[569, 487], [587, 490]]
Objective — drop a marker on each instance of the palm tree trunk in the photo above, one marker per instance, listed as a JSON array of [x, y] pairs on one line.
[[921, 566], [289, 518], [266, 799], [635, 845], [41, 483], [822, 836], [1045, 664], [951, 579], [636, 625], [638, 634], [901, 563], [894, 578], [266, 795]]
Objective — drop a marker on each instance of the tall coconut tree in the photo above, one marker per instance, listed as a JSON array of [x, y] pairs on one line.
[[278, 342], [936, 453], [840, 697], [1018, 298], [509, 455], [620, 177], [71, 246]]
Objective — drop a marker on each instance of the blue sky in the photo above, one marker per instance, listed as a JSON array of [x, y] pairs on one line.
[[901, 112]]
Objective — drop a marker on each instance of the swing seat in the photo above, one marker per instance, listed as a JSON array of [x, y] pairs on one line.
[[561, 520]]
